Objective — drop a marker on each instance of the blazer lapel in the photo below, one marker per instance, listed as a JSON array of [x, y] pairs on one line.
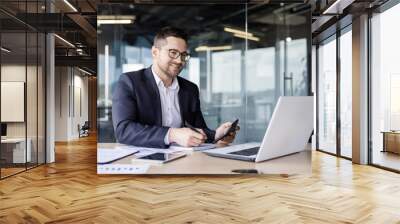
[[155, 95]]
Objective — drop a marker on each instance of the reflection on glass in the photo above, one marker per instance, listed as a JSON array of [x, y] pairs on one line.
[[297, 67], [346, 94], [226, 75], [327, 97], [385, 114], [237, 77], [260, 86]]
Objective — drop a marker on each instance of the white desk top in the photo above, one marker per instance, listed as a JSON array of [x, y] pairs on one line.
[[200, 163], [13, 140]]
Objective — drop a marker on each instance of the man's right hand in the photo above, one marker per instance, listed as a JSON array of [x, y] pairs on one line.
[[187, 137]]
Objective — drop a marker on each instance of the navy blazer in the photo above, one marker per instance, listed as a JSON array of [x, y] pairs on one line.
[[136, 109]]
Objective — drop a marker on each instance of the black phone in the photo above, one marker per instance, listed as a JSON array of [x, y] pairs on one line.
[[230, 130]]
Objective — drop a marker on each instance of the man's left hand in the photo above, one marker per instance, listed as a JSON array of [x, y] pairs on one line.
[[222, 129]]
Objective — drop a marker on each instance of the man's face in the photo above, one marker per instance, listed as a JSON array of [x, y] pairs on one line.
[[172, 46]]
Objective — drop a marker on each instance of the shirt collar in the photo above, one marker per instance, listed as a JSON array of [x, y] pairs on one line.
[[159, 82]]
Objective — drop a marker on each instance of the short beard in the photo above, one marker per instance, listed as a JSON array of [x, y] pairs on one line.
[[172, 76]]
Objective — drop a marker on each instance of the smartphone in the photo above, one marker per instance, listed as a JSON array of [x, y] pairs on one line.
[[230, 130], [160, 157]]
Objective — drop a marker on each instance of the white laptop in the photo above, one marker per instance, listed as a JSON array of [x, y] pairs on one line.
[[288, 132]]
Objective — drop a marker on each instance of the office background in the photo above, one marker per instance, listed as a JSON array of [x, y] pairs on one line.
[[238, 77]]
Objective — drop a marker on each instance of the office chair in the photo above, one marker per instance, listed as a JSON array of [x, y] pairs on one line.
[[84, 130]]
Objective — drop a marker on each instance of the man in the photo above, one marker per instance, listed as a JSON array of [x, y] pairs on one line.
[[152, 106]]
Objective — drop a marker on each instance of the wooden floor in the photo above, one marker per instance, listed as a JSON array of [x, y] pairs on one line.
[[386, 159], [70, 191], [10, 171]]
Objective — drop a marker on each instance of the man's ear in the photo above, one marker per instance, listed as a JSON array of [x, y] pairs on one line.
[[154, 51]]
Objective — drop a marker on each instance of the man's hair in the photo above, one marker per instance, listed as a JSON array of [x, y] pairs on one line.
[[168, 31]]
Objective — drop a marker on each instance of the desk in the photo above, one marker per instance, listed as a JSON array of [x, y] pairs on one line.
[[200, 163], [17, 150], [391, 141]]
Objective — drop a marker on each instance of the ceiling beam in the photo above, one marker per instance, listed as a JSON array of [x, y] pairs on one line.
[[86, 27], [81, 61]]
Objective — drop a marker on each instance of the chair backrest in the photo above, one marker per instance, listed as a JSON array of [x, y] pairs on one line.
[[86, 125]]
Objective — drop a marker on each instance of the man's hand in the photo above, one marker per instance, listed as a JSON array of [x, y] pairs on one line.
[[222, 129], [187, 137]]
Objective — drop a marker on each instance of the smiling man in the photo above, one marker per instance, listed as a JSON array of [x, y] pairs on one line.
[[152, 107]]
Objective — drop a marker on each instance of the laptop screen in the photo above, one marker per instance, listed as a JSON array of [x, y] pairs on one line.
[[3, 129]]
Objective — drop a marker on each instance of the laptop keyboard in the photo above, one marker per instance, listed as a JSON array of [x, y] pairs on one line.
[[246, 152]]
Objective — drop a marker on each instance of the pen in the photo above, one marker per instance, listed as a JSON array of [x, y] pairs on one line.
[[245, 171], [191, 127], [108, 162]]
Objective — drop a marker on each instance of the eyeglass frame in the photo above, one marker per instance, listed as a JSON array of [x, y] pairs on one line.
[[183, 55]]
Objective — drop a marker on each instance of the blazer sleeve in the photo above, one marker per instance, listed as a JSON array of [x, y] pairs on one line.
[[199, 119], [127, 126]]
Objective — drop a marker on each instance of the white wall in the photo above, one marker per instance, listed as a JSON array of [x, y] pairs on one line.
[[16, 73], [61, 103], [80, 94], [33, 126], [71, 87]]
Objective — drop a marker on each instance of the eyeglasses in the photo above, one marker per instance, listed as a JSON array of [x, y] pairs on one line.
[[174, 54]]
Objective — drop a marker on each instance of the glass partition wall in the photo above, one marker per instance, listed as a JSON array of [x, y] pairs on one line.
[[22, 79], [243, 57]]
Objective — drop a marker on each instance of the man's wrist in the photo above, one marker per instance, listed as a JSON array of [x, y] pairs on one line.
[[167, 138], [170, 134]]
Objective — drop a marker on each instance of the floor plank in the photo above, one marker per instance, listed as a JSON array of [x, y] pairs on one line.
[[70, 191]]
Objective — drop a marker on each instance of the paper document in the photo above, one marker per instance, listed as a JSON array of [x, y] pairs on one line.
[[122, 168], [202, 147], [108, 155]]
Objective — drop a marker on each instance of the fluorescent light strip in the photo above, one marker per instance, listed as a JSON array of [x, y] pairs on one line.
[[86, 72], [64, 40], [247, 37], [239, 32], [116, 17], [214, 48], [70, 5], [114, 21], [5, 50]]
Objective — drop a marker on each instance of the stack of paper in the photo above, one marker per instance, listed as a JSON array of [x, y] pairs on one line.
[[108, 155]]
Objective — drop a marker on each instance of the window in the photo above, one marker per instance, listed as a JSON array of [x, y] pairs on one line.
[[385, 87], [346, 93], [327, 96]]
